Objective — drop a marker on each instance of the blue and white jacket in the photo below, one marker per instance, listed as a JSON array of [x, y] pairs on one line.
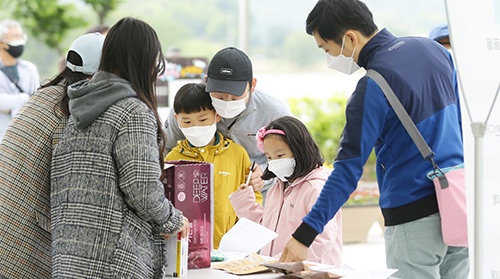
[[422, 75]]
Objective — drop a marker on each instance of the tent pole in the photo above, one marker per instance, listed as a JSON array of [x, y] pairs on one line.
[[478, 130]]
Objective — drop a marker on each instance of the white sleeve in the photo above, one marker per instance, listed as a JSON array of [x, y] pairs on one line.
[[12, 102]]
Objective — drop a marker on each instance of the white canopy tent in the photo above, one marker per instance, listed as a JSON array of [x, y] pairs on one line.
[[475, 37]]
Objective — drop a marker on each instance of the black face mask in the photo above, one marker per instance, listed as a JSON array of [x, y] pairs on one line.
[[15, 51]]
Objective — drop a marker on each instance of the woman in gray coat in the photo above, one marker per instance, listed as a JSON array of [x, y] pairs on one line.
[[25, 156], [109, 213]]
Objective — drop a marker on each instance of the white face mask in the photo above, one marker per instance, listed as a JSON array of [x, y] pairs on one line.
[[228, 109], [341, 63], [282, 167], [200, 136]]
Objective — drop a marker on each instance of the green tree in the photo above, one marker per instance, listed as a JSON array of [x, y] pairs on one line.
[[47, 20], [51, 21], [103, 7], [325, 119]]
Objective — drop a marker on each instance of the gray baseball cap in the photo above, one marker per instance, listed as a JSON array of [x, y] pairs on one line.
[[88, 47]]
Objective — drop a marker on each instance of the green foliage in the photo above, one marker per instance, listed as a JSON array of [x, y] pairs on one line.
[[196, 27], [52, 25], [103, 7], [325, 119], [51, 21], [48, 20]]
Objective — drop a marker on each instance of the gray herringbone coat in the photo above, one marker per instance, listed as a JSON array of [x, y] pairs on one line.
[[108, 204], [25, 157]]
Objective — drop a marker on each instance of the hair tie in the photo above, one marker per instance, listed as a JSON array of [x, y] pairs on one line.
[[262, 133]]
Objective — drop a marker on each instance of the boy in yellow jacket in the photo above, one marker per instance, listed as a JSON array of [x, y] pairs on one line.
[[197, 120]]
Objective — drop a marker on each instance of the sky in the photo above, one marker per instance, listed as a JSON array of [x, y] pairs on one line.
[[403, 17]]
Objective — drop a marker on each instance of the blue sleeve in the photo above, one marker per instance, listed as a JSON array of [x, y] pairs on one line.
[[366, 114]]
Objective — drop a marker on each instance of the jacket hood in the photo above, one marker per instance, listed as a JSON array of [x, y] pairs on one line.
[[90, 98], [319, 173]]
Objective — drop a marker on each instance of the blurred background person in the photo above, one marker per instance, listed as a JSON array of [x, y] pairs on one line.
[[441, 35], [18, 78]]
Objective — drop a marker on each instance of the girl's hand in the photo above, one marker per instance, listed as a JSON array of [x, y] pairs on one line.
[[255, 181], [243, 186]]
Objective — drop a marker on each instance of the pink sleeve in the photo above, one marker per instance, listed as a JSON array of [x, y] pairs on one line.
[[245, 205], [327, 246], [329, 243]]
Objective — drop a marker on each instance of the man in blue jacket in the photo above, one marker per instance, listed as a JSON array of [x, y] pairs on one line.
[[422, 75]]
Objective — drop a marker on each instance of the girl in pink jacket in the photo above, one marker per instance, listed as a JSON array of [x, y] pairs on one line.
[[294, 158]]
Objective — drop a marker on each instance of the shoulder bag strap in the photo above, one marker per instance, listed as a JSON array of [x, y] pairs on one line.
[[403, 116], [409, 125], [15, 83]]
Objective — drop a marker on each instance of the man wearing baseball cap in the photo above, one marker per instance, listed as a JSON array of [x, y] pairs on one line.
[[441, 35], [243, 108]]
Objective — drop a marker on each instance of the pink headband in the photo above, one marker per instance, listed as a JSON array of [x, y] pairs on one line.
[[262, 133]]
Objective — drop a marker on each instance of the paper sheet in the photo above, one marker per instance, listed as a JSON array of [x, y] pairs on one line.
[[348, 273], [247, 237]]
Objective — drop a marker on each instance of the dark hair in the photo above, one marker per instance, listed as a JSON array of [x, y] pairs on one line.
[[299, 140], [192, 97], [65, 78], [132, 51], [332, 18]]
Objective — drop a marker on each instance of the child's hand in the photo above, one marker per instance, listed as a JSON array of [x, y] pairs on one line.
[[243, 186], [255, 181]]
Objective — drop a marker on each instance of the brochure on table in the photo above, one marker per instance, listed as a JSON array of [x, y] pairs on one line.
[[246, 237]]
